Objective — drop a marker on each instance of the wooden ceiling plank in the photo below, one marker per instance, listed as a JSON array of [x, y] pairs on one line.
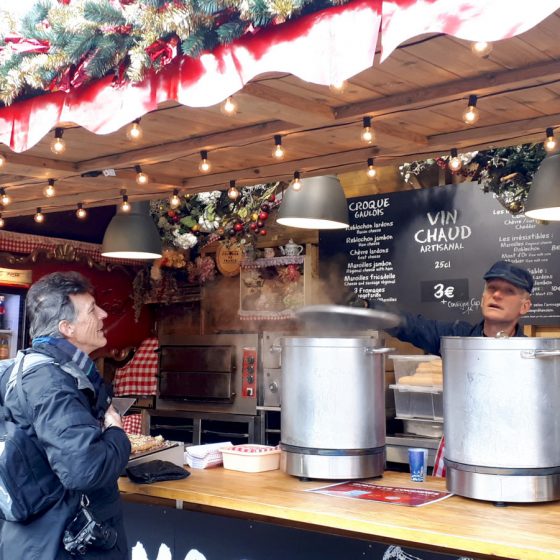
[[304, 108], [513, 128], [486, 83]]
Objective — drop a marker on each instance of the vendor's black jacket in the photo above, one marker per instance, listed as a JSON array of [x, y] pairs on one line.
[[85, 458], [426, 333]]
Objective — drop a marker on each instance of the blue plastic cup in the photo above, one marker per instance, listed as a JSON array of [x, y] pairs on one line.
[[418, 461]]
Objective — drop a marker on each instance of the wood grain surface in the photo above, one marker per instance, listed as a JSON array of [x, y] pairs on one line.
[[455, 525]]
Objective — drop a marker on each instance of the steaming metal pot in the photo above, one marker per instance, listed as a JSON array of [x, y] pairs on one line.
[[502, 427], [333, 407]]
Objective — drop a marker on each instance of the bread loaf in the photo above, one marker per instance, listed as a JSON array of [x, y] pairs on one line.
[[423, 379], [433, 366]]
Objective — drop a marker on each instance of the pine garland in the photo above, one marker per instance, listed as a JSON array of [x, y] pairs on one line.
[[60, 46]]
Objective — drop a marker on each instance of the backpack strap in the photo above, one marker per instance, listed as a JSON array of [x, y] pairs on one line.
[[16, 381]]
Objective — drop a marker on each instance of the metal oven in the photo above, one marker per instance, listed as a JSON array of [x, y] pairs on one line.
[[223, 373]]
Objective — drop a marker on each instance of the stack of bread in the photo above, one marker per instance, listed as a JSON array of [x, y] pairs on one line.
[[426, 374]]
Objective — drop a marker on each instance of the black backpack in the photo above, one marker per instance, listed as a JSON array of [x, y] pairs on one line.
[[28, 486]]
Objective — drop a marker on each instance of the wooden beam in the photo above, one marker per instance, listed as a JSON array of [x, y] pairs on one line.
[[485, 83], [37, 167], [172, 150], [282, 171]]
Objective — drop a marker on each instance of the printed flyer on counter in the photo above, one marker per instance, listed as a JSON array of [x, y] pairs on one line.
[[385, 494]]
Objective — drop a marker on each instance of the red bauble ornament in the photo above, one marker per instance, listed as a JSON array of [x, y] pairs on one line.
[[238, 227], [171, 213], [272, 197], [263, 232], [253, 226], [263, 216]]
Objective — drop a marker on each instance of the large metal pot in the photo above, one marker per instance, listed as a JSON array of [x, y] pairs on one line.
[[502, 427], [333, 407]]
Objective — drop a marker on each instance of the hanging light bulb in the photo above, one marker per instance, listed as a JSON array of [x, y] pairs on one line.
[[174, 200], [2, 221], [471, 114], [367, 132], [125, 205], [338, 86], [278, 151], [134, 130], [455, 162], [550, 142], [481, 48], [371, 171], [296, 183], [39, 216], [81, 212], [49, 191], [141, 177], [204, 165], [229, 107], [2, 160], [233, 193], [4, 197], [58, 145]]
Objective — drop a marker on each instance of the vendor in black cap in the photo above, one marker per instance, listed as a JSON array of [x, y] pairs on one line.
[[505, 299]]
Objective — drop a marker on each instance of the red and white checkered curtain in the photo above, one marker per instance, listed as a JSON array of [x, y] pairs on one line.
[[139, 376]]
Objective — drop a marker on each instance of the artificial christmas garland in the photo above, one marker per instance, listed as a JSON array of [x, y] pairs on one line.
[[505, 172], [60, 45]]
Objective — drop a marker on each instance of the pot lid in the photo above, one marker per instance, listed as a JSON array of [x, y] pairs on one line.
[[343, 317]]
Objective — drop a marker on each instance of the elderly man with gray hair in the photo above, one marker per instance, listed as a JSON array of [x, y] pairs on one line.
[[67, 411]]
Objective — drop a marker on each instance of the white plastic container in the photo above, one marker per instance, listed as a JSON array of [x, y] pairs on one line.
[[416, 401], [251, 458]]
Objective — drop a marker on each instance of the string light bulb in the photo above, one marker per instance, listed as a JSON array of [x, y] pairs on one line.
[[550, 142], [296, 183], [229, 106], [5, 198], [134, 130], [58, 145], [367, 132], [455, 162], [141, 177], [2, 160], [125, 205], [39, 216], [81, 212], [2, 221], [49, 191], [371, 171], [471, 114], [278, 151], [174, 200], [481, 48], [233, 192], [204, 165]]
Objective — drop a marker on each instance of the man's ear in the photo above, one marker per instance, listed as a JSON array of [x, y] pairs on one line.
[[525, 306], [66, 328]]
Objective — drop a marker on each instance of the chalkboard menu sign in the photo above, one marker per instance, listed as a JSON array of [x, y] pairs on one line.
[[426, 251]]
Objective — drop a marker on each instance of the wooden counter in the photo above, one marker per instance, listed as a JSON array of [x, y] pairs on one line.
[[455, 525]]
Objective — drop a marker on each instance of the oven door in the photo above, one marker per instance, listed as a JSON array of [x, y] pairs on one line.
[[197, 373]]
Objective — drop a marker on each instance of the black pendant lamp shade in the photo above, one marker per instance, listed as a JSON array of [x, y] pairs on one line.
[[132, 234], [543, 201], [319, 204]]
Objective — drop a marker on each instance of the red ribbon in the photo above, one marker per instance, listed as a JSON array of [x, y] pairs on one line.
[[20, 44]]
